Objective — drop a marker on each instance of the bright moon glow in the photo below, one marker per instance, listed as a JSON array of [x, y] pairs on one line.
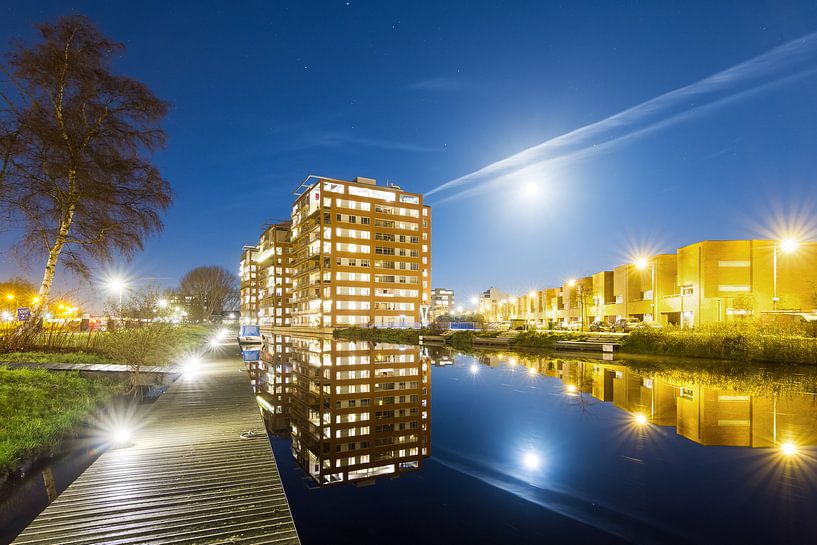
[[789, 449], [531, 460], [640, 419], [531, 189], [788, 245]]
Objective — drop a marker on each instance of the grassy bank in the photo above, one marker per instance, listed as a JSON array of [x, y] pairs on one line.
[[727, 341], [36, 356], [155, 344], [459, 339], [382, 335], [40, 408]]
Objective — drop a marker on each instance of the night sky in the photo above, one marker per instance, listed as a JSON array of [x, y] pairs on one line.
[[422, 93]]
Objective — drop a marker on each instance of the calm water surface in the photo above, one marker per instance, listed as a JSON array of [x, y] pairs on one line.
[[388, 444]]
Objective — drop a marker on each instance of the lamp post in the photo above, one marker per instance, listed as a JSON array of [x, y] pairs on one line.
[[787, 246], [117, 285]]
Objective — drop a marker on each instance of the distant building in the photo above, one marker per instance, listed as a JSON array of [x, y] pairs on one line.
[[248, 278], [706, 282], [442, 301], [274, 276]]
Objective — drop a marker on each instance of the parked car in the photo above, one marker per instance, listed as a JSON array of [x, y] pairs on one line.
[[625, 325], [649, 325], [600, 325], [569, 326]]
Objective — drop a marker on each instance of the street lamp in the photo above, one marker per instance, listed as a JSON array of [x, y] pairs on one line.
[[641, 264], [117, 285], [787, 246]]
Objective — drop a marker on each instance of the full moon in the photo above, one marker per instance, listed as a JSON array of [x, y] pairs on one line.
[[531, 460]]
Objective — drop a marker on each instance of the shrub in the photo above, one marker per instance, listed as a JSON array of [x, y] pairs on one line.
[[744, 341], [144, 344]]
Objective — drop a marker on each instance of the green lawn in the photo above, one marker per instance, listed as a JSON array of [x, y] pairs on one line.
[[39, 408], [105, 347], [54, 357]]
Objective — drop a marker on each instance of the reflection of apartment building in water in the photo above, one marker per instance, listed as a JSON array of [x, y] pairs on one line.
[[272, 382], [356, 412], [355, 253], [706, 282], [708, 415]]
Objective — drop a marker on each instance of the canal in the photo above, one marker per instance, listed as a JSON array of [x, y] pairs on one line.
[[403, 444]]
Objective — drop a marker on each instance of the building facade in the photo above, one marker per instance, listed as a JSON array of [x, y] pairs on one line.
[[706, 282], [274, 276], [353, 254], [248, 284], [442, 302]]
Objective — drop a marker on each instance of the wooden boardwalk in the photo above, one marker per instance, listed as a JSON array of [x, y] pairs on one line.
[[187, 476]]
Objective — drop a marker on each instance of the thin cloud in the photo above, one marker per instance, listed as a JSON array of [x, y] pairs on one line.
[[339, 139], [782, 63], [435, 84]]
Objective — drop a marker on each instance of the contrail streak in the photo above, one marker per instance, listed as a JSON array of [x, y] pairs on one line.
[[782, 62]]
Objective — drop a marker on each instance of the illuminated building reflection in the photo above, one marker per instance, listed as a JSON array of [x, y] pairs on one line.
[[710, 408], [354, 411]]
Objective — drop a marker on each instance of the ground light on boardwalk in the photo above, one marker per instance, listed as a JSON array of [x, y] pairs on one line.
[[184, 475]]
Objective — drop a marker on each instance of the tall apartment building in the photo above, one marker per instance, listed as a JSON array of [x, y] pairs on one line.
[[274, 279], [442, 301], [248, 284], [354, 253], [361, 255]]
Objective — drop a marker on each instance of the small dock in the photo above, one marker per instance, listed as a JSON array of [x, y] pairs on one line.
[[148, 374], [187, 475]]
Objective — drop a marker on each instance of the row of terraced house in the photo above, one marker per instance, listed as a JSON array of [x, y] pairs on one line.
[[705, 282], [352, 254]]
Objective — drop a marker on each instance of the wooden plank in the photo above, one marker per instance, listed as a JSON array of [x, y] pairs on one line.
[[186, 477]]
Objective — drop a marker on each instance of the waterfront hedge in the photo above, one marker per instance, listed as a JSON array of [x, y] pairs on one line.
[[382, 335], [40, 408], [728, 340], [458, 339]]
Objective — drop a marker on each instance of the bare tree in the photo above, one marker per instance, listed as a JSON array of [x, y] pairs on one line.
[[212, 289], [74, 147], [146, 303]]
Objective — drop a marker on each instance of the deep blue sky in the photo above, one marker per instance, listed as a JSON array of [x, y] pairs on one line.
[[265, 93]]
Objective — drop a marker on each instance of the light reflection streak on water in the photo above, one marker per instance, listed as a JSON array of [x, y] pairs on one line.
[[567, 504]]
